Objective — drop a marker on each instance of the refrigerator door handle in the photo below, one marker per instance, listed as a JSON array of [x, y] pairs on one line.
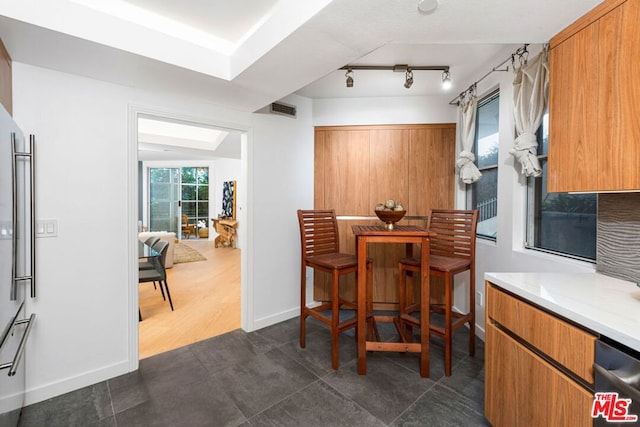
[[32, 201], [13, 365], [14, 220]]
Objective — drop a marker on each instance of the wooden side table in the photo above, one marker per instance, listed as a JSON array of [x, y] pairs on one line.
[[226, 229]]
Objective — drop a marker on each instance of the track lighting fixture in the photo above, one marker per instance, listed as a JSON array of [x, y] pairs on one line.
[[408, 78], [446, 80], [401, 68], [349, 76]]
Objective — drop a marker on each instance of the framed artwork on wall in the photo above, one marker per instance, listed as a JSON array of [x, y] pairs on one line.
[[229, 199]]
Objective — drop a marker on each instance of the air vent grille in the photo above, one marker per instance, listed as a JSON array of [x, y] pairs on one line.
[[284, 109]]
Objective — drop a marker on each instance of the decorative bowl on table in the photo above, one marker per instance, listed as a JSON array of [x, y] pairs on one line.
[[390, 217]]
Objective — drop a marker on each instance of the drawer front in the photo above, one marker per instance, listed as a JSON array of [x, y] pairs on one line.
[[523, 390], [568, 345]]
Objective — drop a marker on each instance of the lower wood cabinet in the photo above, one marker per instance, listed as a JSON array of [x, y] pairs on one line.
[[525, 386]]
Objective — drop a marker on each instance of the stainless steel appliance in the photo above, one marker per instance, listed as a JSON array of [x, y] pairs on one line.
[[617, 377], [17, 263]]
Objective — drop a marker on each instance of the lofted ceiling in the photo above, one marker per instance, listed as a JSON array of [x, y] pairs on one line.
[[245, 54]]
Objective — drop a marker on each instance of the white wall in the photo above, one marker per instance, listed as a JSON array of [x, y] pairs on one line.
[[381, 111], [86, 176], [507, 253]]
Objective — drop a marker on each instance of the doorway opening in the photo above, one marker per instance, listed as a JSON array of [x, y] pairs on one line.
[[182, 166]]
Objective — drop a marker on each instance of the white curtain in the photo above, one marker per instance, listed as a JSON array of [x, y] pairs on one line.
[[530, 91], [469, 172]]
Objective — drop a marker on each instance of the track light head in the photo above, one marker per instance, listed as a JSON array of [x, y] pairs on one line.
[[349, 76], [408, 78], [446, 80]]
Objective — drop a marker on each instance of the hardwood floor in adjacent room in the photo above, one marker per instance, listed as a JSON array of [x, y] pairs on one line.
[[206, 301]]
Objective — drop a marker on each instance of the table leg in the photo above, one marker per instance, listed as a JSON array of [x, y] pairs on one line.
[[425, 297], [362, 304]]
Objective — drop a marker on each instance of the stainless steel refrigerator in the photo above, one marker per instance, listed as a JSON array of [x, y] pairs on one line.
[[17, 263]]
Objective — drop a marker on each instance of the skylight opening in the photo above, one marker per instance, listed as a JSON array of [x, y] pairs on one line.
[[139, 16]]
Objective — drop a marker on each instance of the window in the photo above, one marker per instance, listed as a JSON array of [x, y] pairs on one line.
[[178, 191], [483, 194], [195, 195], [561, 223]]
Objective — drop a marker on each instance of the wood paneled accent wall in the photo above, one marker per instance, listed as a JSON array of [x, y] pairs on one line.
[[357, 167]]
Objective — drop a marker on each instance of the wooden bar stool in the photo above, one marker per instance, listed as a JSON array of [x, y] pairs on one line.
[[453, 249], [321, 251]]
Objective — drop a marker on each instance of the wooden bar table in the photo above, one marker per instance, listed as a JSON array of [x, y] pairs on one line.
[[407, 234]]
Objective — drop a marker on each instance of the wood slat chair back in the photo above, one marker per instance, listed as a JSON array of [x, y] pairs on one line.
[[452, 251], [319, 232], [455, 232], [320, 249]]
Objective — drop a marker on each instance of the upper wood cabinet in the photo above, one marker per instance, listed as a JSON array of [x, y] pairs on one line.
[[6, 91], [594, 108]]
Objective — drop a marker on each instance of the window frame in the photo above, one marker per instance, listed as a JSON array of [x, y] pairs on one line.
[[471, 193], [533, 197]]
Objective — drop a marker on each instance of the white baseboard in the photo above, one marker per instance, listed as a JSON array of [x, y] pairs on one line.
[[275, 318], [47, 391], [479, 331]]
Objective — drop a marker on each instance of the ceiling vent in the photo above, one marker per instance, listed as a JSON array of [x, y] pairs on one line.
[[283, 109]]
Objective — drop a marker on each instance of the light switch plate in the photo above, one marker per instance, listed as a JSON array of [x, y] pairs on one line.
[[479, 299], [46, 228]]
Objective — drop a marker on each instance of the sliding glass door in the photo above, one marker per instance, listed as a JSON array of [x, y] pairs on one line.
[[164, 199], [174, 192]]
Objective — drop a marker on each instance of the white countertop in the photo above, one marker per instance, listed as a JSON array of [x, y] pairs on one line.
[[606, 305]]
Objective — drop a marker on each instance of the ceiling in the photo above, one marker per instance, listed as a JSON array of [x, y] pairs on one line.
[[164, 140], [245, 54]]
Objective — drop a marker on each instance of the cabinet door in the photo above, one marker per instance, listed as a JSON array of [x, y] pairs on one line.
[[567, 344], [342, 184], [432, 160], [618, 119], [521, 389], [594, 126], [573, 104]]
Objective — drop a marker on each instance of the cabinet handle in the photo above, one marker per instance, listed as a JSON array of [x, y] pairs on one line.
[[618, 382], [13, 366]]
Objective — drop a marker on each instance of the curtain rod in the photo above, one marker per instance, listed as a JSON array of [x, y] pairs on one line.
[[519, 52]]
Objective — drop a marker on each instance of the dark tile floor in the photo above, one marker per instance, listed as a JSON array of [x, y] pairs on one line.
[[264, 378]]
